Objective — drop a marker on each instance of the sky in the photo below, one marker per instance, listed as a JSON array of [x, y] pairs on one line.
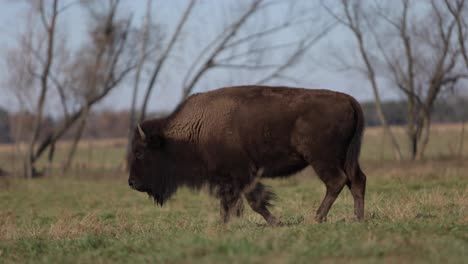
[[316, 70]]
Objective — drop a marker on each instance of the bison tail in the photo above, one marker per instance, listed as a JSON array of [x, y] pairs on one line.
[[351, 165]]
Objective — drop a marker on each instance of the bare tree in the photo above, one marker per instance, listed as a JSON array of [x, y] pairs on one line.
[[89, 70], [352, 19], [427, 63], [417, 52], [97, 68], [49, 24], [458, 9], [40, 47]]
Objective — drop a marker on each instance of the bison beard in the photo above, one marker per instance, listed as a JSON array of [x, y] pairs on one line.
[[232, 137]]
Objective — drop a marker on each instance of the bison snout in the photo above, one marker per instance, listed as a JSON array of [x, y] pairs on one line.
[[136, 186], [131, 183]]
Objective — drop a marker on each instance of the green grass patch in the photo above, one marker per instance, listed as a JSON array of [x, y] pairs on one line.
[[72, 220], [416, 212]]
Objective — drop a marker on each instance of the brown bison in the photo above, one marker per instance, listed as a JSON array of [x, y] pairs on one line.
[[232, 137]]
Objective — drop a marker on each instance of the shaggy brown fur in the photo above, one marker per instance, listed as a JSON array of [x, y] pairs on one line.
[[231, 137]]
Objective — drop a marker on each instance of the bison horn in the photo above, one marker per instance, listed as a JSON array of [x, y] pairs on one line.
[[142, 134]]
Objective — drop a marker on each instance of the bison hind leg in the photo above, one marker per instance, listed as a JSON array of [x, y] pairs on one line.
[[259, 199], [334, 179], [357, 186]]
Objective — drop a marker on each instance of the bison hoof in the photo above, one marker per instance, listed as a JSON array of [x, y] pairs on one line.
[[320, 219], [273, 221], [359, 219]]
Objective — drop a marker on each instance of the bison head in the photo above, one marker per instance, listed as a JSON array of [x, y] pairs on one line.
[[149, 164]]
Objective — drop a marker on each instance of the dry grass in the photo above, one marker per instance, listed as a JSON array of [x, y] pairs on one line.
[[411, 215], [416, 212]]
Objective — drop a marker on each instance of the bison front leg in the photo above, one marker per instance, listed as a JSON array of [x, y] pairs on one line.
[[229, 206], [231, 202], [259, 198]]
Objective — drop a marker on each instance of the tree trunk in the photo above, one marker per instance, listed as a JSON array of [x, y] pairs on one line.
[[76, 139], [415, 129], [424, 137], [413, 145], [462, 140], [29, 165], [19, 154], [412, 125], [378, 102], [50, 159]]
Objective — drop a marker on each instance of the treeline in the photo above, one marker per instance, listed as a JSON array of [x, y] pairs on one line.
[[15, 127], [452, 110]]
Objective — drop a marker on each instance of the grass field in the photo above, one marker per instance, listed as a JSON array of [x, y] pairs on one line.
[[415, 213]]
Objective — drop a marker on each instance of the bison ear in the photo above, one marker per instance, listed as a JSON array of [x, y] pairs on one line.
[[155, 141]]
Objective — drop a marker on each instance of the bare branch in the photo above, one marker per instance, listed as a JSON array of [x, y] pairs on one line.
[[142, 60], [245, 66], [67, 6], [263, 33], [42, 13], [164, 55], [228, 34], [259, 50], [61, 91], [302, 48], [457, 12], [335, 16]]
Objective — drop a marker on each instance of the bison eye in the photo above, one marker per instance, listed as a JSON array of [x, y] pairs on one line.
[[139, 155]]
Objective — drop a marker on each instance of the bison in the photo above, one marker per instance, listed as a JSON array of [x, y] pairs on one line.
[[232, 137]]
